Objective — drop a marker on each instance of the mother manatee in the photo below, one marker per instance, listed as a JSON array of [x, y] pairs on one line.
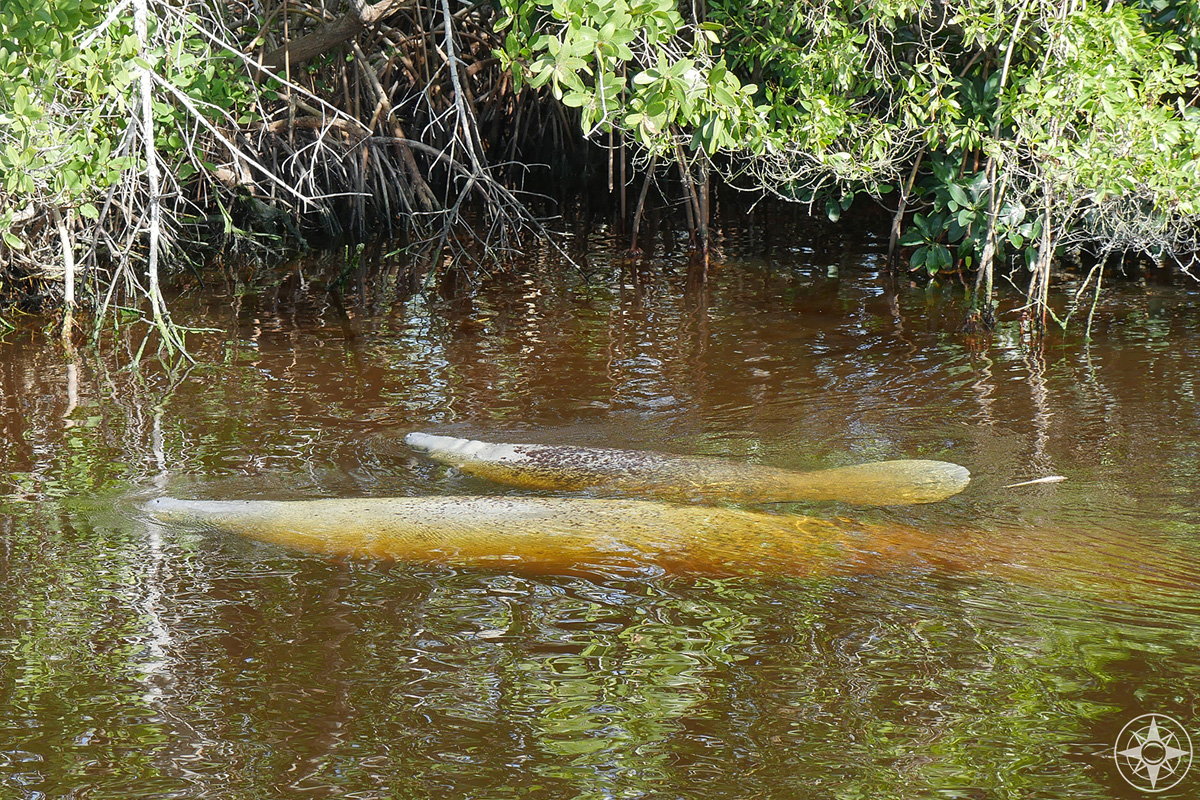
[[539, 466], [541, 534]]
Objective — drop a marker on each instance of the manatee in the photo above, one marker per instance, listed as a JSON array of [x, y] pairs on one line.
[[539, 534], [671, 477]]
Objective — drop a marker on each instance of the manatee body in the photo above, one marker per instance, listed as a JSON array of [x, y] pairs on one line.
[[557, 534], [535, 466]]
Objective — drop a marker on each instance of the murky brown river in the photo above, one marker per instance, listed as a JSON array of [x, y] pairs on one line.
[[139, 659]]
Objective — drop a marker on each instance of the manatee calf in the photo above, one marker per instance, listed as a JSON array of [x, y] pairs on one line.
[[537, 466], [560, 534]]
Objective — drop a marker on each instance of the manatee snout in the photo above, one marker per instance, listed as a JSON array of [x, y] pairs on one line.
[[161, 504], [175, 509]]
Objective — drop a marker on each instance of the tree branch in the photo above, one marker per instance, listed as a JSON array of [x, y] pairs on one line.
[[334, 33]]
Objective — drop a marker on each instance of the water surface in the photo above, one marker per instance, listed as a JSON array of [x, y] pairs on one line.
[[138, 660]]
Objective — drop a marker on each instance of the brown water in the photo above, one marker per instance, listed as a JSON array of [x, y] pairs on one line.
[[138, 660]]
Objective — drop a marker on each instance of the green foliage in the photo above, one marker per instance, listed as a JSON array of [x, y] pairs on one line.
[[67, 99], [629, 66], [1104, 115], [1088, 112], [955, 230], [930, 255], [46, 147], [1180, 17]]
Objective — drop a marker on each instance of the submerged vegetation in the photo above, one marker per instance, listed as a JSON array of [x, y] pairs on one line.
[[1004, 139]]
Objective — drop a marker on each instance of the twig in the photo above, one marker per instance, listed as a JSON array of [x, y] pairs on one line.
[[1047, 479], [68, 257]]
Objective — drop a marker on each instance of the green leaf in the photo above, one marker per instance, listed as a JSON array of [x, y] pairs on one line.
[[959, 195], [576, 99], [723, 96], [20, 101], [833, 209], [718, 135], [939, 258]]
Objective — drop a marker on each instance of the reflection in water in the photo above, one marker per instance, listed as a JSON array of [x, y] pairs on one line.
[[1035, 364], [138, 661]]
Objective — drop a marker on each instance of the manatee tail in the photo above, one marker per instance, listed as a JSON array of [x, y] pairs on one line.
[[885, 483]]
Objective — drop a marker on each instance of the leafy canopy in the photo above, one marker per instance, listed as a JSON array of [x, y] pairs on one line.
[[1014, 128]]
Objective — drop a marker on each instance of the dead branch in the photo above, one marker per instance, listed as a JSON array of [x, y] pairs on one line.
[[335, 33]]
